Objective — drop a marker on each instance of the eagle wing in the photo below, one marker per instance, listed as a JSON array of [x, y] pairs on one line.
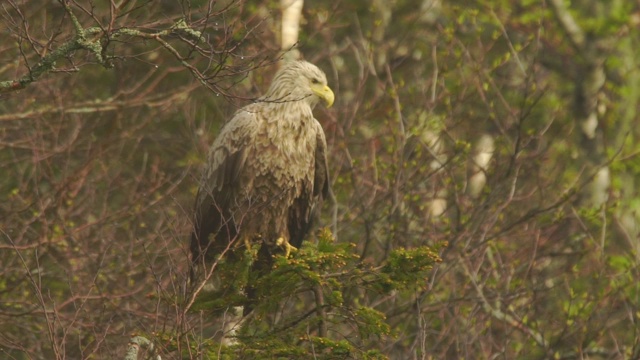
[[303, 208], [219, 185]]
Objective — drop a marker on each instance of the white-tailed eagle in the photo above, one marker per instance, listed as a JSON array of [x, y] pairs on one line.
[[266, 173]]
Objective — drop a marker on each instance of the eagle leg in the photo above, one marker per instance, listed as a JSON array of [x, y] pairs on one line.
[[246, 240], [288, 248]]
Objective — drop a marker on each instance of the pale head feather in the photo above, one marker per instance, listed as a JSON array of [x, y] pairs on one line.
[[294, 82]]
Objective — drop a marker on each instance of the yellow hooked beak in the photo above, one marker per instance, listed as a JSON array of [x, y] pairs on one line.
[[324, 92]]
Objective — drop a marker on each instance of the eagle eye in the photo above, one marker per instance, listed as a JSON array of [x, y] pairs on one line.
[[315, 81]]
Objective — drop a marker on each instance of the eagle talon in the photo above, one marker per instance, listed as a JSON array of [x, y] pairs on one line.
[[288, 248]]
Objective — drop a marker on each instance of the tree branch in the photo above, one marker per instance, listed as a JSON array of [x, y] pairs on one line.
[[80, 41], [568, 24], [101, 105]]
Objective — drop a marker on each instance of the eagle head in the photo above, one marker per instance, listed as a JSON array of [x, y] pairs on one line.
[[301, 80]]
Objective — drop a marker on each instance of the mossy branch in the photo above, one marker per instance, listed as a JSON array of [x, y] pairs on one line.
[[95, 40], [134, 346]]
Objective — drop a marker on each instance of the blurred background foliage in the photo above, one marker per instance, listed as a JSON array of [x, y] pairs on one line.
[[483, 165]]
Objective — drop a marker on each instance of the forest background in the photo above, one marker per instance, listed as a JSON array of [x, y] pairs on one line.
[[484, 173]]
